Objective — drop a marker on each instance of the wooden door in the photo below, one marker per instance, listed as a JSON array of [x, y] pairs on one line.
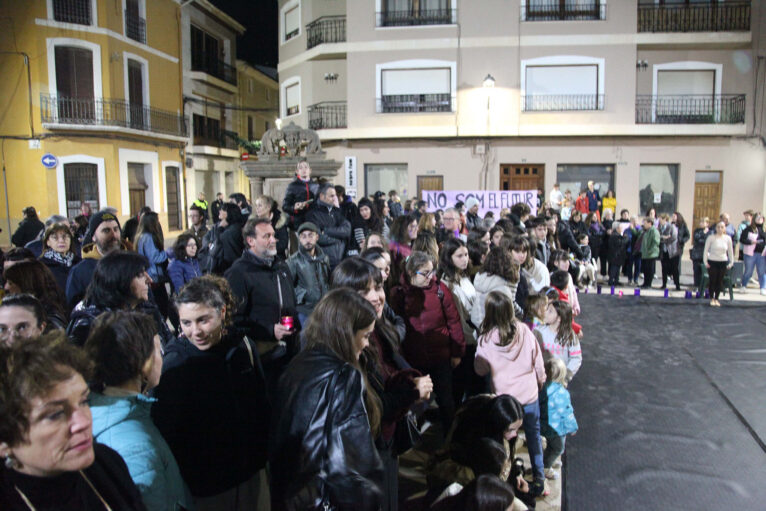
[[174, 204], [429, 183], [137, 200], [522, 176], [707, 196]]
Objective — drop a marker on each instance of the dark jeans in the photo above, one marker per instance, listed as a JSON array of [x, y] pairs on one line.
[[553, 449], [465, 381], [648, 266], [670, 269], [635, 262], [697, 267], [531, 425], [390, 475], [716, 273], [614, 274], [441, 376]]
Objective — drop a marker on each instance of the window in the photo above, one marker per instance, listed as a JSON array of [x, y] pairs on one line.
[[79, 12], [551, 10], [575, 177], [385, 177], [81, 185], [250, 128], [415, 86], [395, 13], [207, 131], [686, 92], [564, 87], [291, 96], [74, 84], [291, 21], [250, 85], [205, 51], [136, 98], [135, 20], [658, 188]]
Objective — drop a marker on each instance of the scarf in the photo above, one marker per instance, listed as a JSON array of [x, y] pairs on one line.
[[65, 260]]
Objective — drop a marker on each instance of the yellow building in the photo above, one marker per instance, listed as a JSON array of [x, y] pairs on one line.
[[258, 105], [98, 85]]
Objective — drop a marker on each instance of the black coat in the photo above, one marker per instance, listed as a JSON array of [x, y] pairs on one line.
[[28, 230], [231, 245], [70, 491], [298, 191], [59, 270], [265, 293], [698, 243], [617, 250], [336, 231], [213, 412], [82, 319], [308, 454], [567, 240]]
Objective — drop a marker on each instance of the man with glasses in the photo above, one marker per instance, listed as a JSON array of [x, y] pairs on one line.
[[451, 229]]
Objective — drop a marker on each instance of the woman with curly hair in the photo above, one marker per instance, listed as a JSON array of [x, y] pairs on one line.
[[498, 273]]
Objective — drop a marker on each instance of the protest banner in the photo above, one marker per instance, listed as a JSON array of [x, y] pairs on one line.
[[489, 200]]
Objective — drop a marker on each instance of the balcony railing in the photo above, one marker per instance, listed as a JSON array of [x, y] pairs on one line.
[[555, 10], [135, 27], [220, 138], [694, 17], [72, 11], [110, 112], [401, 103], [413, 17], [327, 29], [691, 109], [214, 67], [561, 102], [327, 115]]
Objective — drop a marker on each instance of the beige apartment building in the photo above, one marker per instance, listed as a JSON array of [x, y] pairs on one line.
[[661, 101]]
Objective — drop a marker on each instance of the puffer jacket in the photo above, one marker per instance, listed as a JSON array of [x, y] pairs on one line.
[[335, 230], [298, 191], [181, 272], [311, 278], [28, 229], [265, 293], [218, 394], [485, 284], [434, 331], [320, 438], [84, 315], [556, 412], [124, 424]]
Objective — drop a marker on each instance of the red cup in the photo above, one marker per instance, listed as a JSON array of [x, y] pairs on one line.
[[287, 322]]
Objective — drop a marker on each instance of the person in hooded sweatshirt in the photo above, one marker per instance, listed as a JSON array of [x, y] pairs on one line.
[[510, 354]]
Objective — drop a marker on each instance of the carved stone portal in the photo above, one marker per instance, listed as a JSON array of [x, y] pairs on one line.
[[295, 139]]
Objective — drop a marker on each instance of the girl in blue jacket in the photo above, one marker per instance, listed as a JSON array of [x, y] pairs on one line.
[[557, 418], [185, 266]]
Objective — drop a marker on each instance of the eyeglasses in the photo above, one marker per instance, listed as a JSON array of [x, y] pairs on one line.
[[59, 237], [427, 274]]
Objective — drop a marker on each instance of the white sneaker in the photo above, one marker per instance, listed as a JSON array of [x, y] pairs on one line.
[[551, 474], [763, 291]]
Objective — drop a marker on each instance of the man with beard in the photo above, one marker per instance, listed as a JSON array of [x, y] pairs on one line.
[[263, 287], [104, 229], [310, 269]]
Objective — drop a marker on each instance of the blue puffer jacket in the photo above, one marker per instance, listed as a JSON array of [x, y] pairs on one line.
[[556, 412], [124, 424], [181, 272]]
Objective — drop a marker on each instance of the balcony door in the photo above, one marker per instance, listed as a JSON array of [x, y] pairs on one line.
[[137, 187], [205, 52], [172, 189], [688, 95], [74, 84], [136, 94]]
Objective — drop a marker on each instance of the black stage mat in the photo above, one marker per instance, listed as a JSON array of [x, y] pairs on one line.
[[671, 404]]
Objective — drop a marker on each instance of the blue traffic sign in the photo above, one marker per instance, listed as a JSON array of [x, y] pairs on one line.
[[49, 161]]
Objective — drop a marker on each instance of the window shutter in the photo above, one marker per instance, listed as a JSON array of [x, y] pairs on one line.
[[415, 81], [562, 80]]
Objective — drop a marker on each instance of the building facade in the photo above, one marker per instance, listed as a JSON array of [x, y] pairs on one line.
[[659, 101], [210, 88], [96, 85]]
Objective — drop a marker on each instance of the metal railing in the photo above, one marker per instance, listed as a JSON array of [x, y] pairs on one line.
[[555, 10], [214, 67], [72, 11], [695, 17], [223, 138], [110, 112], [691, 109], [413, 17], [135, 27], [561, 102], [401, 103], [327, 115], [327, 29]]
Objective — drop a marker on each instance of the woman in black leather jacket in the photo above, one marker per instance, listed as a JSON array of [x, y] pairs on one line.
[[322, 450]]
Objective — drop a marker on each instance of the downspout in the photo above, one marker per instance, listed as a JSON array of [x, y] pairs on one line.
[[182, 149]]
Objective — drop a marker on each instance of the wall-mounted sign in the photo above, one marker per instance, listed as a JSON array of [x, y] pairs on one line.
[[351, 175], [489, 200]]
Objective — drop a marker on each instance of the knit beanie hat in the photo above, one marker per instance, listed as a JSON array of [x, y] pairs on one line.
[[95, 220]]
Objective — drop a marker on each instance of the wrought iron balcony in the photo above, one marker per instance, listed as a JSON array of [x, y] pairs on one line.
[[561, 102], [135, 27], [694, 17], [402, 103], [327, 29], [214, 67], [110, 112], [327, 115], [72, 11], [218, 138], [556, 10], [691, 109], [414, 17]]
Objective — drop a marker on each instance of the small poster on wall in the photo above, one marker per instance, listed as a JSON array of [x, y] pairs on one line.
[[351, 176]]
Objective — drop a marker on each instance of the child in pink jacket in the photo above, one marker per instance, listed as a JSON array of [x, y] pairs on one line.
[[509, 352]]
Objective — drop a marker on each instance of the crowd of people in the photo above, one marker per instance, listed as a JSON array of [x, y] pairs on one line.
[[284, 358]]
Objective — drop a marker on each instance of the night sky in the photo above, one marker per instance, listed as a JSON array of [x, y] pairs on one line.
[[259, 17]]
